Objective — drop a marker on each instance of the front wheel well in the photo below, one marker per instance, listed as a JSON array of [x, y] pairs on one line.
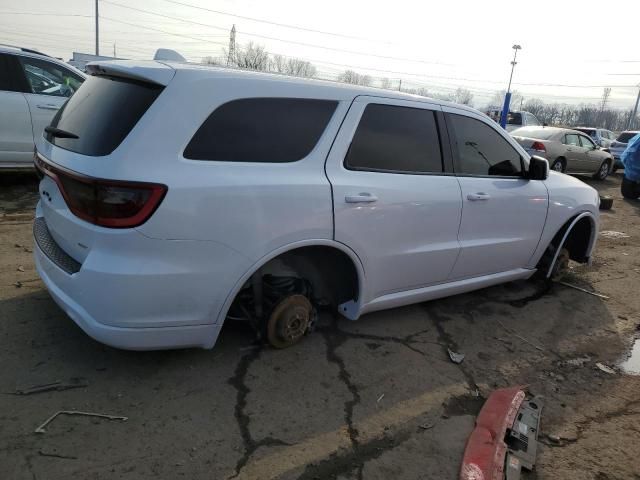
[[577, 241]]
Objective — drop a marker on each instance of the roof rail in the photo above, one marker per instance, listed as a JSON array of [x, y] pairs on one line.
[[26, 50]]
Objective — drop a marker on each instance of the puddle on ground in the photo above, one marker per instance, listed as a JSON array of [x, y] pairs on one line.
[[631, 364]]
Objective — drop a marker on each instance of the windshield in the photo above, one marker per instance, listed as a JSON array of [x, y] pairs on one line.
[[624, 137]]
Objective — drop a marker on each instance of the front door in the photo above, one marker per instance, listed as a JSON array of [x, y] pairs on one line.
[[394, 205], [591, 157], [16, 140], [48, 85], [503, 213]]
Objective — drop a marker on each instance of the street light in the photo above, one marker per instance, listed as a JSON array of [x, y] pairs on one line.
[[507, 97]]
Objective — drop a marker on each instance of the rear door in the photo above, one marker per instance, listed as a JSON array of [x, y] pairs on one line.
[[396, 204], [16, 138], [49, 85], [503, 213]]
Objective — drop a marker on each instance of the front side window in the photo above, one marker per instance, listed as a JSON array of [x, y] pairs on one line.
[[47, 78], [390, 138], [481, 150], [265, 130], [587, 143], [572, 139]]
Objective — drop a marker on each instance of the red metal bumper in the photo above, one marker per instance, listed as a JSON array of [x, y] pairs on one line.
[[485, 453]]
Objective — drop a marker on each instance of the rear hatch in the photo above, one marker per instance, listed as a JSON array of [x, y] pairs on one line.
[[80, 199]]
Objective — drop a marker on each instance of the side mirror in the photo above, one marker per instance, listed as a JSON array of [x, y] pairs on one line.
[[538, 168]]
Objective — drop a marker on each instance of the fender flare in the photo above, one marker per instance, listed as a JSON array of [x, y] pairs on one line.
[[592, 240], [222, 314]]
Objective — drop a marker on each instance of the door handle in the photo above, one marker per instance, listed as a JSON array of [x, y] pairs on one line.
[[474, 197], [363, 197], [47, 107]]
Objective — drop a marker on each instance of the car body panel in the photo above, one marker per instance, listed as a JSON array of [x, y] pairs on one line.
[[170, 281]]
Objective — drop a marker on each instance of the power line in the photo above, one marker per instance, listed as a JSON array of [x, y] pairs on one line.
[[259, 20], [267, 37], [47, 14]]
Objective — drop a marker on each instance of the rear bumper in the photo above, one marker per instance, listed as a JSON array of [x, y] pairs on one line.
[[158, 338], [134, 292]]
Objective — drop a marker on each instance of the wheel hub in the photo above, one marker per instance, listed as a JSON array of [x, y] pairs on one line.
[[289, 321]]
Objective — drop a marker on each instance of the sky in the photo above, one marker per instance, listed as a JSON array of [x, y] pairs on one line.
[[571, 50]]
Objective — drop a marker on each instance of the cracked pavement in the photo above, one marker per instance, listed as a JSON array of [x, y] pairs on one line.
[[373, 399]]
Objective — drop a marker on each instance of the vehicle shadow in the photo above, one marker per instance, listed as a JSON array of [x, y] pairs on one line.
[[18, 191]]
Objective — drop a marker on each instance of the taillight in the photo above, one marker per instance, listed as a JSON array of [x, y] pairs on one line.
[[108, 203], [539, 146]]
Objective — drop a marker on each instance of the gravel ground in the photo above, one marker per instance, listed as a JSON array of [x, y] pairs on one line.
[[351, 401]]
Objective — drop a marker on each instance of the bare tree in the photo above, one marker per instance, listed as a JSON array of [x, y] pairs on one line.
[[212, 61], [498, 99], [351, 76], [292, 66], [462, 96], [385, 83], [252, 57]]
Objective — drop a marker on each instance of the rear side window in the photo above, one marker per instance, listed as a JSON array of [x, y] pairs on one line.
[[267, 130], [481, 150], [572, 139], [626, 136], [102, 113], [395, 139]]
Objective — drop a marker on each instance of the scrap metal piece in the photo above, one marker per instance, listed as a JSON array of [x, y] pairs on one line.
[[486, 450], [58, 386], [455, 357], [41, 428], [522, 438]]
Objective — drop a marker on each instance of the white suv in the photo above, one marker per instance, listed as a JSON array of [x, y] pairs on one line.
[[33, 86], [176, 196]]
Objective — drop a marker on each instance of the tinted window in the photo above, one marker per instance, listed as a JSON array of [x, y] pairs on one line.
[[626, 136], [10, 74], [514, 118], [396, 139], [48, 78], [586, 142], [481, 150], [571, 139], [261, 130], [102, 113]]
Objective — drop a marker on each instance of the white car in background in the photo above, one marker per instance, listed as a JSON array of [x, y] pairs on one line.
[[174, 197], [33, 86]]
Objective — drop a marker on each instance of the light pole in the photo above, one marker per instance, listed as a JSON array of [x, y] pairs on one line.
[[507, 97]]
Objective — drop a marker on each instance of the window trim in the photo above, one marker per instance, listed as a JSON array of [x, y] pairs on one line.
[[445, 156], [455, 153]]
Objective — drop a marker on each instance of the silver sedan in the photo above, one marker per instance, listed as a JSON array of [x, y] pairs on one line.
[[566, 150]]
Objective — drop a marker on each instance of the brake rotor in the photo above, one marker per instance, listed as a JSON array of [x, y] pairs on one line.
[[289, 321]]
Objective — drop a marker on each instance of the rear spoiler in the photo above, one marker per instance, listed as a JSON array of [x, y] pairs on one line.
[[145, 71]]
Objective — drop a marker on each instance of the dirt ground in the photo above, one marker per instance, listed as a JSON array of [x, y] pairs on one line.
[[372, 399]]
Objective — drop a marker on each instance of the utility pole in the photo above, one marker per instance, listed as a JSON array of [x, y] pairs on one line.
[[400, 85], [232, 45], [632, 118], [97, 31], [507, 97], [114, 50]]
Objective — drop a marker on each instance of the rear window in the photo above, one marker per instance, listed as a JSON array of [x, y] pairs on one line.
[[538, 133], [266, 130], [626, 136], [102, 113], [589, 131], [514, 118]]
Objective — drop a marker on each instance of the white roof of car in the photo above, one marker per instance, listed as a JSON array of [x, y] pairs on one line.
[[162, 73]]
